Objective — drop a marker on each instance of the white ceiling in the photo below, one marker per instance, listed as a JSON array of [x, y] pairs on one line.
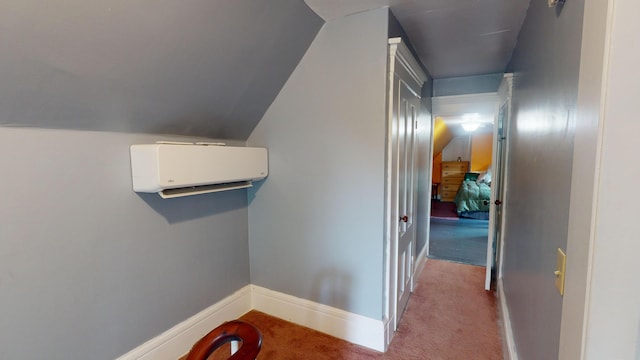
[[452, 37]]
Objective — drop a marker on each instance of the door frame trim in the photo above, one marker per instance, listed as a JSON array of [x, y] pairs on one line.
[[504, 96], [398, 53]]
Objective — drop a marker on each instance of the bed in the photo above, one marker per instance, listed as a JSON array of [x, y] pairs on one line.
[[473, 199]]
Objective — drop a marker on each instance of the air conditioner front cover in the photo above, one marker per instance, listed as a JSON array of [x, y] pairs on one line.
[[160, 167]]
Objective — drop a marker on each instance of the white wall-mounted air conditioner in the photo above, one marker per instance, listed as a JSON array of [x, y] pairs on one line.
[[174, 170]]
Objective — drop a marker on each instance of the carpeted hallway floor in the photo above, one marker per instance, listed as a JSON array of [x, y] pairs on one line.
[[449, 316]]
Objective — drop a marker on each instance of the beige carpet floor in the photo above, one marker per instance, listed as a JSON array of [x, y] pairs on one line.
[[449, 316]]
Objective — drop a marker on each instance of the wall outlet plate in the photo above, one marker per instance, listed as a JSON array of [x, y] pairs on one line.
[[561, 266]]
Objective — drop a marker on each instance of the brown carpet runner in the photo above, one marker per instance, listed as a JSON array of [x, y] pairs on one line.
[[449, 316]]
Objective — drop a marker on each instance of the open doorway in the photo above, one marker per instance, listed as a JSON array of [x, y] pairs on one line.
[[462, 177], [469, 178]]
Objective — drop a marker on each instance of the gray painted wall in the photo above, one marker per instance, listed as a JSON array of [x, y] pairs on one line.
[[86, 265], [316, 223], [198, 68], [613, 312], [90, 269], [396, 30], [476, 84], [584, 180], [546, 64]]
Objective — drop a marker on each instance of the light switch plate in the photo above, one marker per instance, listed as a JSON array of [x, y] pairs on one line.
[[561, 265]]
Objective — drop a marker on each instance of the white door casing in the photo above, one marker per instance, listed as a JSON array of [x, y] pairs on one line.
[[404, 87], [498, 183], [407, 111]]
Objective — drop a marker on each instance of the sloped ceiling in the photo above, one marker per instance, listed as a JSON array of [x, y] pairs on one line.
[[193, 67], [442, 135]]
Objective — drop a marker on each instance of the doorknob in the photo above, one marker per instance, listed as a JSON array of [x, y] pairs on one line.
[[498, 202], [404, 218]]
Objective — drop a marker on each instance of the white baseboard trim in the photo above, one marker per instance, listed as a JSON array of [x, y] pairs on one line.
[[389, 331], [175, 342], [508, 343], [348, 326], [421, 260]]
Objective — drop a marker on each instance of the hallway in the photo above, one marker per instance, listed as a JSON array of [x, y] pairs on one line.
[[449, 316]]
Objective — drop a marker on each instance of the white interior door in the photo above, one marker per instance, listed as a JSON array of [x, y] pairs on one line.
[[496, 215], [405, 172], [404, 87]]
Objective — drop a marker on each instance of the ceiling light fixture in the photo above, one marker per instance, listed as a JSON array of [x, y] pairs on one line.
[[470, 126]]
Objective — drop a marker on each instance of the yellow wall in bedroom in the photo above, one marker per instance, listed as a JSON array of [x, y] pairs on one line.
[[441, 137], [481, 145]]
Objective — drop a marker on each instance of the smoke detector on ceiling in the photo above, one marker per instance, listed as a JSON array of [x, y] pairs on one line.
[[554, 3]]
